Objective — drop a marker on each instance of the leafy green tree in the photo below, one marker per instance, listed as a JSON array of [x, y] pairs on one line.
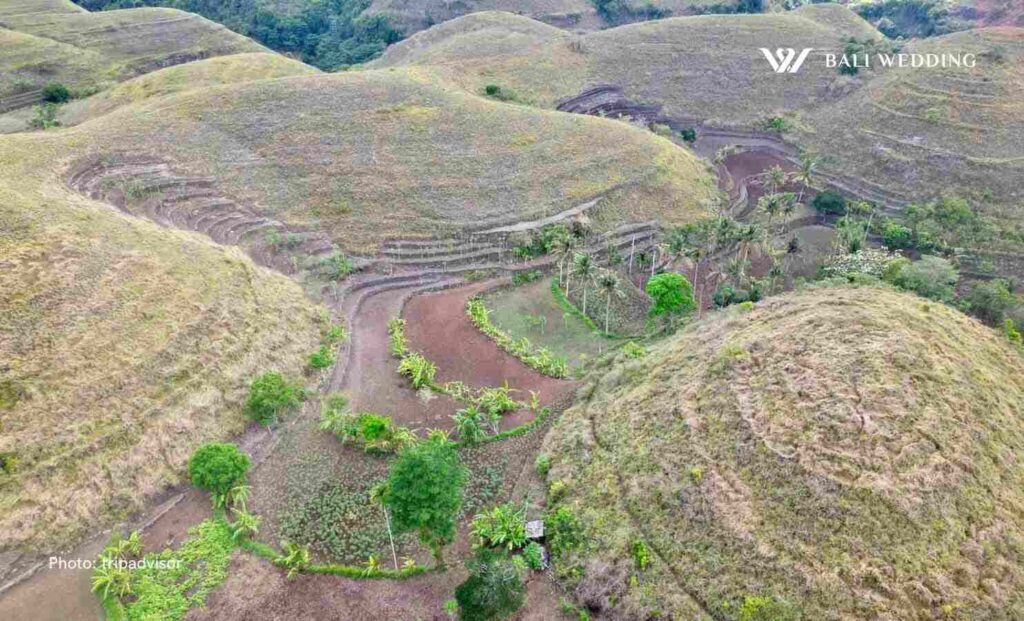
[[270, 396], [990, 301], [424, 493], [895, 236], [672, 294], [494, 589], [218, 467], [830, 202]]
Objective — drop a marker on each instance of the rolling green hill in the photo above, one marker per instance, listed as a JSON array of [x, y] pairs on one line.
[[832, 454]]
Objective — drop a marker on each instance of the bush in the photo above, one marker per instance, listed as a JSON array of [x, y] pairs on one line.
[[777, 124], [502, 526], [895, 236], [990, 301], [533, 554], [931, 277], [688, 134], [335, 266], [56, 93], [217, 467], [498, 400], [469, 424], [418, 369], [563, 530], [492, 89], [829, 202], [321, 358], [270, 396], [44, 116], [494, 589], [543, 464], [396, 338], [761, 608]]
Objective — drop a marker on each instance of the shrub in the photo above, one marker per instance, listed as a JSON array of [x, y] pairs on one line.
[[895, 236], [632, 350], [641, 557], [321, 358], [1011, 331], [44, 116], [469, 423], [396, 338], [688, 134], [497, 400], [931, 277], [56, 93], [533, 554], [563, 530], [777, 124], [990, 301], [335, 266], [830, 202], [418, 369], [270, 396], [494, 589], [492, 89], [543, 464], [763, 608], [295, 558], [502, 526], [218, 467]]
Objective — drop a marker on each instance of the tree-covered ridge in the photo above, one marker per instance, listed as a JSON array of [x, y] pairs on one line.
[[325, 33]]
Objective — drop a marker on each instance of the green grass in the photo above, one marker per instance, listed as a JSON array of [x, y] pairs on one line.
[[821, 446], [531, 311]]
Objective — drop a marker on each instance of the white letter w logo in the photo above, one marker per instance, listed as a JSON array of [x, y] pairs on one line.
[[782, 61]]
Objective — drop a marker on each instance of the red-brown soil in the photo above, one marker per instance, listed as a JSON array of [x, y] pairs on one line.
[[437, 326]]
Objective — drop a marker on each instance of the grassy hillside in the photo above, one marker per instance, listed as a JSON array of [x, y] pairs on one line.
[[832, 454], [11, 8], [124, 346], [197, 75], [412, 17], [924, 132], [367, 155], [704, 66], [91, 50]]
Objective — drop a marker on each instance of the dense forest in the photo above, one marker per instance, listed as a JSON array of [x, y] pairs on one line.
[[329, 34]]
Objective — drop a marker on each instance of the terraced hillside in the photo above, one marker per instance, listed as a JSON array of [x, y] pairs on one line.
[[363, 156], [832, 454], [46, 41], [124, 346], [924, 132], [706, 67]]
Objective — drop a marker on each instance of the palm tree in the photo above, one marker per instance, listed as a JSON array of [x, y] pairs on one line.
[[377, 493], [563, 246], [806, 173], [583, 266], [608, 285], [774, 179]]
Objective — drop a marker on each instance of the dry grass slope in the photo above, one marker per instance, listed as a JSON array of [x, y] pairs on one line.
[[922, 132], [114, 45], [196, 75], [124, 346], [707, 67], [366, 155], [857, 453]]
